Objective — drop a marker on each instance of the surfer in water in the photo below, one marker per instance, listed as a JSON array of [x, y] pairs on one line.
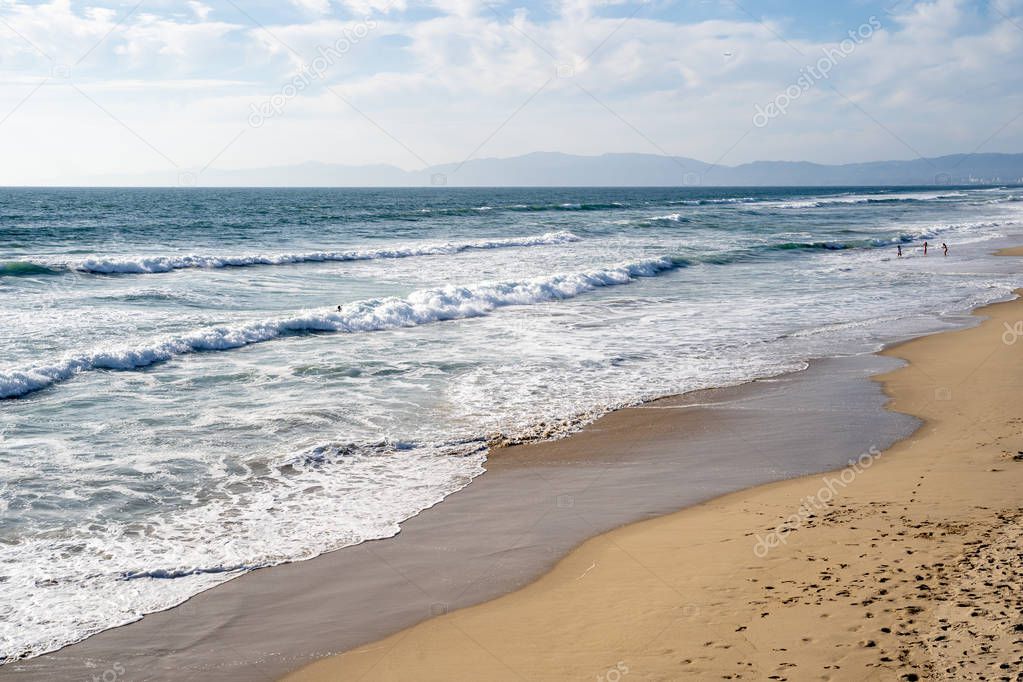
[[944, 247], [900, 250]]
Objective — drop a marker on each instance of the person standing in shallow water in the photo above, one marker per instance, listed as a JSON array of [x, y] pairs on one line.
[[944, 248], [925, 248], [900, 250]]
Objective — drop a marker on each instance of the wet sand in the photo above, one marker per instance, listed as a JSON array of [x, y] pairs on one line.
[[506, 529], [909, 568]]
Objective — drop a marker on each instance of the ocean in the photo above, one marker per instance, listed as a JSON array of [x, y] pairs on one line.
[[197, 383]]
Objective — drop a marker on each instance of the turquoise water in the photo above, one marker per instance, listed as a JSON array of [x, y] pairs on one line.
[[200, 382]]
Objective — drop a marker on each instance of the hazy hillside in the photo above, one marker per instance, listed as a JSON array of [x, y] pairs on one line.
[[566, 170]]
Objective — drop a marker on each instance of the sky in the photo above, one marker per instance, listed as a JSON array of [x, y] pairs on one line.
[[101, 88]]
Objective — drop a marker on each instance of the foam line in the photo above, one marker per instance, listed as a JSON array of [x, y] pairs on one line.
[[420, 307], [160, 264]]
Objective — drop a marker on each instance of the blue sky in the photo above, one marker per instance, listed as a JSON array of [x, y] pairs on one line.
[[91, 89]]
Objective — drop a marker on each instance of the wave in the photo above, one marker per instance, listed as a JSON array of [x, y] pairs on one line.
[[820, 203], [828, 246], [761, 251], [657, 221], [860, 199], [1006, 199], [160, 264], [460, 211], [877, 242], [24, 269], [420, 307], [513, 208], [537, 208], [816, 202], [173, 573], [711, 202]]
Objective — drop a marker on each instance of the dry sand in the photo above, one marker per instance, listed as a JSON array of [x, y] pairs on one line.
[[913, 570]]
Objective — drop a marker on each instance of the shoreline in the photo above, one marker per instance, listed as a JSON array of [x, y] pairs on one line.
[[506, 529], [158, 646], [912, 573]]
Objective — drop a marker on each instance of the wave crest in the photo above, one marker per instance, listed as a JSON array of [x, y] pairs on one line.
[[24, 269], [160, 264], [420, 307]]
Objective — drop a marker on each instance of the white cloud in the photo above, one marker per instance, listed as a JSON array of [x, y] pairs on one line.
[[200, 10], [314, 6], [368, 7], [936, 77]]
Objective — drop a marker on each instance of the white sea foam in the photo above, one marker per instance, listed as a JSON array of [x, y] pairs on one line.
[[93, 576], [861, 199], [145, 265], [420, 307], [672, 217]]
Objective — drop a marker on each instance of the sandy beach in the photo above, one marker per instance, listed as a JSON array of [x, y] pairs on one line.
[[904, 565]]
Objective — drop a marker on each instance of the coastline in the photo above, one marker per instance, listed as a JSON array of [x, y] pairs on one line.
[[906, 571], [506, 529], [627, 466]]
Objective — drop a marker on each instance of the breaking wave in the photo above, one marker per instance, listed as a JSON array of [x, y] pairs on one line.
[[420, 307], [161, 264]]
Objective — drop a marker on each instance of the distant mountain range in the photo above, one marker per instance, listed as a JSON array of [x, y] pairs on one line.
[[553, 169]]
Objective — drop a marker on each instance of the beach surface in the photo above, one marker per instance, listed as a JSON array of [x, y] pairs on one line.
[[194, 475], [905, 565]]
